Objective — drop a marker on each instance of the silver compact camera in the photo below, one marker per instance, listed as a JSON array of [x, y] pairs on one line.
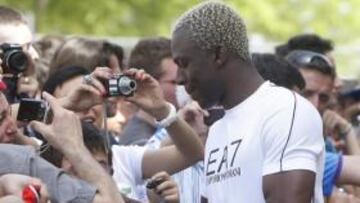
[[120, 86]]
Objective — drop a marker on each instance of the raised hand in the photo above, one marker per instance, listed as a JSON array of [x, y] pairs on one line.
[[148, 95], [65, 129], [88, 94]]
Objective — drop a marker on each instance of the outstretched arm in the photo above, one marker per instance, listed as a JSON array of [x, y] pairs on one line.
[[65, 134]]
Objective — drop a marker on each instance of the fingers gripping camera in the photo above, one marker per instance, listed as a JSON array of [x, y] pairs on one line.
[[120, 85]]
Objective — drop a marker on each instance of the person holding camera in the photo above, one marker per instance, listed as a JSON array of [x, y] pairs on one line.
[[17, 54], [133, 164]]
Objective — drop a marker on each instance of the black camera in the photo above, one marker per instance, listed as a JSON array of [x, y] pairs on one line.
[[32, 109], [120, 85], [14, 59]]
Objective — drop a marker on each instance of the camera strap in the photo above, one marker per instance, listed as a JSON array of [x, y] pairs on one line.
[[107, 135]]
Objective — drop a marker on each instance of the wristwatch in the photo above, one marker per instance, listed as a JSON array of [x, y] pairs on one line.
[[170, 118]]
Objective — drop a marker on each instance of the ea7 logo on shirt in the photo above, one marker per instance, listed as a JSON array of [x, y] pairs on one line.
[[220, 163]]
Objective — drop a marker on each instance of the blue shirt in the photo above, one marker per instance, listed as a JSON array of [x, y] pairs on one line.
[[332, 170]]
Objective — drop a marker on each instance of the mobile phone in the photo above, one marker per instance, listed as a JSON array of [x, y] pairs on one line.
[[33, 109], [152, 184]]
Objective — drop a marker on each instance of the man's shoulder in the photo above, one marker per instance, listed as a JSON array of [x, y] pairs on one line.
[[12, 150], [280, 98]]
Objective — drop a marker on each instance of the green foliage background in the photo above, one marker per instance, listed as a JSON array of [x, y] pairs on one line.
[[277, 20]]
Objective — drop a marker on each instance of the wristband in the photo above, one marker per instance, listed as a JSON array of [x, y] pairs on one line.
[[170, 118]]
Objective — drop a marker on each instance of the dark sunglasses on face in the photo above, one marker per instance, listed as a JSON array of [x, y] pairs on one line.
[[301, 58]]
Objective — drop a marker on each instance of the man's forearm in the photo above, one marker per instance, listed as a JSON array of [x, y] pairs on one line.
[[89, 170], [186, 140]]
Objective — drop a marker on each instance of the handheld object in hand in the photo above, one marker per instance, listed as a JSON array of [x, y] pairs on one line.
[[120, 85], [152, 184], [32, 109], [31, 194]]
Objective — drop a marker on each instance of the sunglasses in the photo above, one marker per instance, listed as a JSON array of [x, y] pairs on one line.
[[301, 58]]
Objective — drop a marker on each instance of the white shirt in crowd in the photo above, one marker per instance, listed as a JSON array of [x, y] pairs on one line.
[[127, 165], [252, 140]]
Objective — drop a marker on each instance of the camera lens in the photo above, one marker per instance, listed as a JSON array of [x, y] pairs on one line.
[[17, 61], [14, 59], [126, 85]]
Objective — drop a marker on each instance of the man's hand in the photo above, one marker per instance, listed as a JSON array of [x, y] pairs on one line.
[[148, 95], [65, 135], [28, 85], [65, 130], [194, 116], [14, 184], [167, 190], [335, 124], [85, 96]]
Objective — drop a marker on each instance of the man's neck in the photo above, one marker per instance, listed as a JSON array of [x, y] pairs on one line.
[[240, 84]]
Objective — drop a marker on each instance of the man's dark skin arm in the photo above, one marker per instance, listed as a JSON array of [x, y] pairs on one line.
[[295, 186]]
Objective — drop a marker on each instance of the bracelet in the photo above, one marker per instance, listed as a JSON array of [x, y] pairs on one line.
[[170, 118]]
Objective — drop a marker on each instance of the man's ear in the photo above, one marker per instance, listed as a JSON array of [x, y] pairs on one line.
[[221, 56]]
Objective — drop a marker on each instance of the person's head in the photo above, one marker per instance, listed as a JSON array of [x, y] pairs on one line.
[[154, 56], [277, 70], [319, 75], [7, 123], [15, 30], [46, 46], [207, 43], [87, 53], [60, 83], [95, 142], [309, 42]]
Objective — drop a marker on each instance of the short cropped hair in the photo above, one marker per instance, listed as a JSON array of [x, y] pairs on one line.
[[212, 25], [148, 54], [310, 42], [10, 16], [278, 70]]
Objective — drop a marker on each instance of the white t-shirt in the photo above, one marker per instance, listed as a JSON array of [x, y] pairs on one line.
[[252, 140], [127, 165]]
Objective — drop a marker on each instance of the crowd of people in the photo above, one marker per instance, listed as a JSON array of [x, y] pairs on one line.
[[204, 120]]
